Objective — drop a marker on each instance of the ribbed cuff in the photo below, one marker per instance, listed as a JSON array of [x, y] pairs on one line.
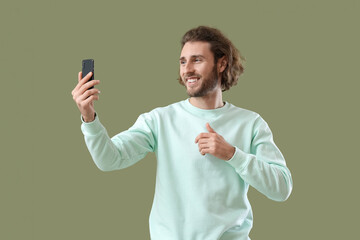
[[91, 128], [240, 160]]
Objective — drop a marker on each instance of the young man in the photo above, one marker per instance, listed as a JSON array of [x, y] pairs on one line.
[[208, 151]]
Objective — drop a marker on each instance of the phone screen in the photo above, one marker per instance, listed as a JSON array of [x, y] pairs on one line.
[[88, 66]]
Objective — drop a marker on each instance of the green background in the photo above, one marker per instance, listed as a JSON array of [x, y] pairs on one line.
[[301, 75]]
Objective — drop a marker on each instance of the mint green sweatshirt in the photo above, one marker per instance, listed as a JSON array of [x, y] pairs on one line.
[[197, 197]]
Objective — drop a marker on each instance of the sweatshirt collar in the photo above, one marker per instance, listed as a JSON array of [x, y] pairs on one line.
[[205, 112]]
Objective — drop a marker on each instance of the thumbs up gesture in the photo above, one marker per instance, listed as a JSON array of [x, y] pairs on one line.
[[215, 144]]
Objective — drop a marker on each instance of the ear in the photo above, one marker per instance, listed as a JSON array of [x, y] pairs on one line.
[[222, 64]]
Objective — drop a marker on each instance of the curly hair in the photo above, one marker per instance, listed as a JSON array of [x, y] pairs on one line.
[[220, 46]]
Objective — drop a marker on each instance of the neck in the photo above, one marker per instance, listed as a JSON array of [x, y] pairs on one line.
[[210, 101]]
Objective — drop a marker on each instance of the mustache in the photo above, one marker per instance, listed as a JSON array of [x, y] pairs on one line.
[[192, 75]]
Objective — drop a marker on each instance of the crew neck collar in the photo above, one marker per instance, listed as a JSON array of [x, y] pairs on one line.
[[205, 112]]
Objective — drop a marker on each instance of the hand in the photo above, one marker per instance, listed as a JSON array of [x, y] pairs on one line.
[[84, 97], [214, 144]]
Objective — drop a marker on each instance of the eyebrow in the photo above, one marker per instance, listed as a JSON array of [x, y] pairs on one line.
[[192, 56]]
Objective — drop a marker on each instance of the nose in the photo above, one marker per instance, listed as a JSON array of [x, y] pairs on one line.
[[189, 67]]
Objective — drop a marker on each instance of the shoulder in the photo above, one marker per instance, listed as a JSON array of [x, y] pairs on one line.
[[162, 111], [243, 112], [168, 109], [252, 118]]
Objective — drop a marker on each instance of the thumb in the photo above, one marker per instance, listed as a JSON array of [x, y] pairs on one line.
[[79, 76], [209, 128]]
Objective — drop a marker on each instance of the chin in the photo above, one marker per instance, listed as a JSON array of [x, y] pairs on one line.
[[195, 94], [190, 94]]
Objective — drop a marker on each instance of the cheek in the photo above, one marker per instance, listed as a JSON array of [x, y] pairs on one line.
[[181, 75], [205, 70], [181, 71]]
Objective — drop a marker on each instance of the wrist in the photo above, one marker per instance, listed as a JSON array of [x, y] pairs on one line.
[[231, 153], [88, 119]]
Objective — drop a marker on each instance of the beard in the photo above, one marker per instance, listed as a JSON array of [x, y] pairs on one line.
[[207, 84]]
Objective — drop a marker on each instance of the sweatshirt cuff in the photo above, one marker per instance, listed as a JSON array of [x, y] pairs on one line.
[[91, 128], [239, 160]]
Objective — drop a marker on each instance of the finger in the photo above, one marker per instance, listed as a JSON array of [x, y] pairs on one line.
[[77, 85], [82, 81], [88, 93], [203, 141], [90, 99], [204, 151], [203, 146], [80, 89], [87, 77], [201, 135], [209, 128], [79, 76], [88, 85]]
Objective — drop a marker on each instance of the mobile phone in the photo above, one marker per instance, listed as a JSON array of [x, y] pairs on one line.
[[88, 66]]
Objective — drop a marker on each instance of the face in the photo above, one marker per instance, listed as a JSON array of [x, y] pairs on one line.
[[197, 69]]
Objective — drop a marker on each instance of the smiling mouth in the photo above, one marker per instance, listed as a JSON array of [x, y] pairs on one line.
[[192, 79]]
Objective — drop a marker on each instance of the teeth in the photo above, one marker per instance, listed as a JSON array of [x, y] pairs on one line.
[[192, 80]]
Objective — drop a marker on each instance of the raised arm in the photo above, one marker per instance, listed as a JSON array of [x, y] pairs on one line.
[[122, 150]]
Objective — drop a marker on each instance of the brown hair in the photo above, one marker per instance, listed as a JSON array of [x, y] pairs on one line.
[[220, 46]]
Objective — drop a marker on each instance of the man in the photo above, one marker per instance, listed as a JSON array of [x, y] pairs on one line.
[[208, 150]]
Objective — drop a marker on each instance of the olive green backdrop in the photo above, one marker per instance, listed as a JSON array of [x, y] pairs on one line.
[[301, 75]]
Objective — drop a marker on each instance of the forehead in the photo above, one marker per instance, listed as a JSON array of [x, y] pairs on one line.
[[196, 48]]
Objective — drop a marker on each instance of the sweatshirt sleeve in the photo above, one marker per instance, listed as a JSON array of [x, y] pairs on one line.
[[264, 168], [122, 150]]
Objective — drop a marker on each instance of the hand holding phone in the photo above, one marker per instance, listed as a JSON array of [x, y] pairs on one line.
[[84, 95]]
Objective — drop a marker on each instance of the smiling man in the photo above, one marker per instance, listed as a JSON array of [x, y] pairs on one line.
[[208, 151]]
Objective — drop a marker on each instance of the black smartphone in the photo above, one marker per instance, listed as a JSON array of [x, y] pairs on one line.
[[88, 66]]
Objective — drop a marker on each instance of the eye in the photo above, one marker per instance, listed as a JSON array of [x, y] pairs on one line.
[[182, 62], [197, 60]]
